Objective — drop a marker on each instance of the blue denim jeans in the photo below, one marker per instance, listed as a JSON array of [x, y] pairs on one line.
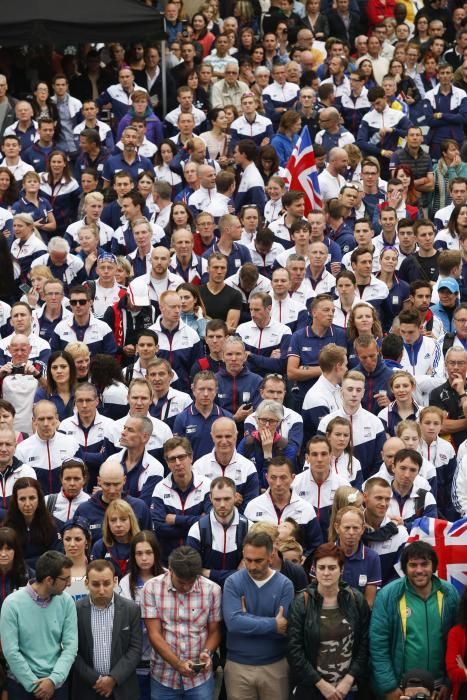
[[17, 692], [201, 692]]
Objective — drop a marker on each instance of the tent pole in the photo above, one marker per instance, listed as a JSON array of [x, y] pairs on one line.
[[164, 76]]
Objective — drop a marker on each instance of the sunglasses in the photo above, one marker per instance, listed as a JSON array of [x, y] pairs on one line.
[[78, 302]]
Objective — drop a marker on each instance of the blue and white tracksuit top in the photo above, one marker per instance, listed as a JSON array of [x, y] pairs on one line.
[[220, 545], [262, 508], [320, 495], [187, 507], [46, 458], [241, 470]]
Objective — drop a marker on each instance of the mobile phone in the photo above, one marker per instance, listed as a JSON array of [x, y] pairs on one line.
[[184, 27], [25, 288], [247, 406], [197, 667]]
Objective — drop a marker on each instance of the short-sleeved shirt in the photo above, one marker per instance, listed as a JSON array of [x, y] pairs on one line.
[[184, 618], [219, 305], [362, 569]]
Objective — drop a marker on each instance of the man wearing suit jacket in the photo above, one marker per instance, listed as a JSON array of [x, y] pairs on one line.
[[343, 23], [151, 80], [109, 639]]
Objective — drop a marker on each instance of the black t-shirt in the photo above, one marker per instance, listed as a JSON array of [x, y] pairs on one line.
[[447, 399], [219, 305], [429, 266]]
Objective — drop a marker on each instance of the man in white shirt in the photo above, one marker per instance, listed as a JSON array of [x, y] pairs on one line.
[[159, 280], [11, 148], [331, 180]]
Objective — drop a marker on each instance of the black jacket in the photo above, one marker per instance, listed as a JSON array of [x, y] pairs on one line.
[[304, 637], [338, 29], [141, 79]]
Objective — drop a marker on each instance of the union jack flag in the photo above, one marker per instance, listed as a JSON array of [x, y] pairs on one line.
[[450, 542], [302, 174]]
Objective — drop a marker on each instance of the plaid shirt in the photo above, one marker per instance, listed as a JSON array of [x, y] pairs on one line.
[[184, 619]]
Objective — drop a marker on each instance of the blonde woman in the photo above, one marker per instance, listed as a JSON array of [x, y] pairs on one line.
[[27, 245], [118, 529]]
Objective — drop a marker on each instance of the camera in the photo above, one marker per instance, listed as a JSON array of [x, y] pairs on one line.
[[18, 369]]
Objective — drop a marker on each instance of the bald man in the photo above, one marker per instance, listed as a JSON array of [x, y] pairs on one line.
[[332, 133], [159, 280], [111, 483], [331, 180], [224, 460], [201, 198], [46, 449]]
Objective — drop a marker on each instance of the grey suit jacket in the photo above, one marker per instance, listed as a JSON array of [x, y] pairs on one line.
[[127, 641]]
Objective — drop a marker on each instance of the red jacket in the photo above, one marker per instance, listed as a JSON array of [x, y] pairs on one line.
[[376, 11], [456, 645]]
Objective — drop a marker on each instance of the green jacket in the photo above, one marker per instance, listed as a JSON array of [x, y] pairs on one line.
[[387, 637]]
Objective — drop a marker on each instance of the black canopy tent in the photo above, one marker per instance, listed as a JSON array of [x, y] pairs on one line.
[[81, 21], [78, 21]]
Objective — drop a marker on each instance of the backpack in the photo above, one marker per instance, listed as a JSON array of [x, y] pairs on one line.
[[50, 502], [448, 342], [420, 502]]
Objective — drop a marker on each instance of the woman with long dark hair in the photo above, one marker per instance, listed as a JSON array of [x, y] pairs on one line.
[[268, 162], [181, 216], [343, 463], [42, 105], [448, 238], [9, 191], [106, 375], [28, 516], [61, 383], [61, 188], [144, 563], [193, 311], [76, 537], [201, 33], [14, 572]]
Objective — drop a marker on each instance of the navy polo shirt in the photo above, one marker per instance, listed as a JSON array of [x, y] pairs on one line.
[[306, 345], [239, 255], [117, 163], [362, 568], [47, 327], [194, 426]]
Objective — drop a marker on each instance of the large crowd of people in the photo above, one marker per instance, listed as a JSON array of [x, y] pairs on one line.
[[223, 408]]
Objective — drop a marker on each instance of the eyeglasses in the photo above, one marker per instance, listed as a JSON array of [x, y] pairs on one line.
[[78, 302], [390, 247], [268, 421], [65, 579], [274, 376], [453, 363], [463, 321], [176, 458], [70, 460]]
